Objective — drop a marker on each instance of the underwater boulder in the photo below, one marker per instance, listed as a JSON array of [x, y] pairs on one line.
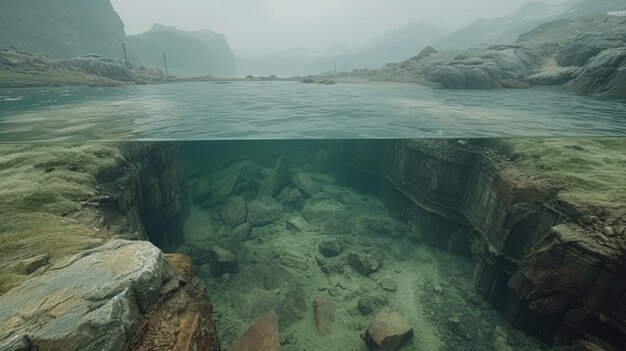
[[324, 314], [235, 212], [264, 210], [275, 180], [291, 197], [330, 247], [365, 261], [222, 261], [388, 331], [261, 335]]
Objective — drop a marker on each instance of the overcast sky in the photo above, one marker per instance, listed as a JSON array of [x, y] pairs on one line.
[[254, 25]]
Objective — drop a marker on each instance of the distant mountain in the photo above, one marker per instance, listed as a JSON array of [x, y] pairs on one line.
[[502, 30], [394, 46], [202, 52], [584, 8], [62, 28]]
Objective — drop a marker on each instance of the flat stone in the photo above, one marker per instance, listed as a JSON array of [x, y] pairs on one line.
[[388, 284], [85, 301], [291, 197], [297, 224], [264, 210], [30, 265], [261, 335], [276, 179], [324, 313], [365, 261], [330, 247], [387, 331], [222, 261], [294, 259], [235, 212]]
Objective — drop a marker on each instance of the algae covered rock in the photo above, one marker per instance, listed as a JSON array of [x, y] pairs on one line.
[[264, 210], [222, 261], [365, 261], [330, 247], [261, 335], [324, 314], [275, 180], [235, 212]]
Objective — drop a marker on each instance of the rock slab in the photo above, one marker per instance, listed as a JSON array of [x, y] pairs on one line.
[[324, 313], [261, 335], [388, 331], [88, 303], [365, 261]]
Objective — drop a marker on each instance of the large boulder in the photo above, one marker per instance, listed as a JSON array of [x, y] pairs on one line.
[[222, 261], [275, 180], [264, 210], [483, 72], [91, 302], [101, 66], [603, 75], [586, 46], [387, 331]]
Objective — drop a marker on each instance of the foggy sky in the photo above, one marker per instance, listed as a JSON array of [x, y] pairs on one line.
[[255, 25]]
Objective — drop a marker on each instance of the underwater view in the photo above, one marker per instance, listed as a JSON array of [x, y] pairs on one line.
[[329, 175]]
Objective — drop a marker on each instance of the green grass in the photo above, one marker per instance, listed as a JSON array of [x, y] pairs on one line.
[[584, 171], [41, 191], [563, 31]]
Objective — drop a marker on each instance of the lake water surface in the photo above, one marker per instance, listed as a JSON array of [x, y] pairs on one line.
[[293, 110]]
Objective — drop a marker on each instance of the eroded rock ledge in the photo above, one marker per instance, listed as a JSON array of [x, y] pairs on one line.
[[555, 269]]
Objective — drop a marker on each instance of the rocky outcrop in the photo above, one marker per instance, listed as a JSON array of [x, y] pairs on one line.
[[603, 75], [101, 66], [555, 76], [489, 70], [466, 199], [586, 46], [196, 53], [91, 302], [62, 29]]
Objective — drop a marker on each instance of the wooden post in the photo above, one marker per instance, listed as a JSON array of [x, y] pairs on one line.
[[165, 62], [125, 57]]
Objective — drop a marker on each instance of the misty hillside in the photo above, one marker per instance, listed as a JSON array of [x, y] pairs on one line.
[[502, 30], [507, 29], [394, 46], [62, 28], [202, 52]]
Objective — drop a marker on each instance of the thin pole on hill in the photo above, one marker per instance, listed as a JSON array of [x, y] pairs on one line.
[[125, 57], [335, 69], [346, 66], [165, 62]]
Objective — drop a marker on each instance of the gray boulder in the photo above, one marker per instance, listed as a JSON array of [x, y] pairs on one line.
[[88, 303], [276, 180], [603, 75], [586, 46], [365, 261], [235, 212], [101, 66], [264, 210], [498, 63]]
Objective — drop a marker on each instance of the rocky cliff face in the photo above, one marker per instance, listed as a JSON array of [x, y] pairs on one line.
[[188, 53], [62, 29], [550, 269]]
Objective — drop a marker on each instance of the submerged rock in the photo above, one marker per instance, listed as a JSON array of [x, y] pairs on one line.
[[366, 261], [330, 247], [388, 331], [235, 212], [222, 261], [261, 335], [276, 180], [368, 304], [291, 197], [264, 210], [307, 184], [324, 314]]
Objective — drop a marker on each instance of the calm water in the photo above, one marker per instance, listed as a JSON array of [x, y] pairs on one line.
[[293, 110]]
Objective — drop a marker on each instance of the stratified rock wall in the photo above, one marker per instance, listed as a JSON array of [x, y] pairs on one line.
[[153, 192], [547, 277]]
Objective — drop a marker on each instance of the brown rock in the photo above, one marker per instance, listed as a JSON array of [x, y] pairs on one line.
[[30, 265], [324, 313], [262, 335], [181, 263], [388, 331]]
